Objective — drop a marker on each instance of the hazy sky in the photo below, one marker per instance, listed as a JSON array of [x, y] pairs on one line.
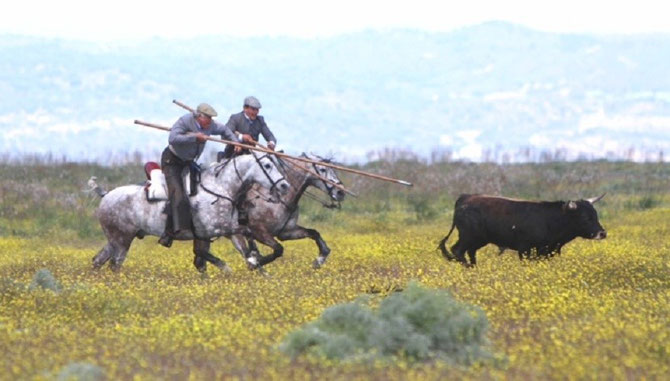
[[130, 19]]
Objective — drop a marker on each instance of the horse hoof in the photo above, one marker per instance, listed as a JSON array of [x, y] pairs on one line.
[[318, 263], [255, 254], [226, 269], [252, 263]]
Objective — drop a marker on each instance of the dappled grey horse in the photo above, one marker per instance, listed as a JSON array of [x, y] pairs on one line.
[[125, 213], [269, 219]]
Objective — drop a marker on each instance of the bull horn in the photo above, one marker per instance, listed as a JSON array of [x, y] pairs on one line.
[[596, 199]]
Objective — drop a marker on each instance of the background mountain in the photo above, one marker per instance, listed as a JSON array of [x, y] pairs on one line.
[[494, 91]]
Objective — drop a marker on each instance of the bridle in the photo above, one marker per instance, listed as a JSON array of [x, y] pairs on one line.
[[258, 161], [239, 176], [329, 188]]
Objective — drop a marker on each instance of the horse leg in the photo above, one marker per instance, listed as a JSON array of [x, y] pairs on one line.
[[115, 242], [121, 247], [202, 256], [103, 256], [268, 240], [240, 243], [300, 232], [253, 248], [200, 263]]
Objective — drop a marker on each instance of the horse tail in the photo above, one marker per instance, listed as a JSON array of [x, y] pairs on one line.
[[93, 185], [442, 245]]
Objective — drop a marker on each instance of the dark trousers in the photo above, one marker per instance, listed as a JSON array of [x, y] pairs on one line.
[[179, 213]]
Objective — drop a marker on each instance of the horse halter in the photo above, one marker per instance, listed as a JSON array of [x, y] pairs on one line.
[[258, 161], [329, 187], [239, 176]]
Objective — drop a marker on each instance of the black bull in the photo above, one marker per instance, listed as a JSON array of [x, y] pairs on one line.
[[544, 226]]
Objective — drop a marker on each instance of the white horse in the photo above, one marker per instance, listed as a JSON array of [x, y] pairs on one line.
[[125, 213]]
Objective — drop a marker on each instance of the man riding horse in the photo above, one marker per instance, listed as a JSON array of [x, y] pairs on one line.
[[187, 140], [248, 126]]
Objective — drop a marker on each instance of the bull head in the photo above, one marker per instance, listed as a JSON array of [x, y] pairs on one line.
[[596, 199]]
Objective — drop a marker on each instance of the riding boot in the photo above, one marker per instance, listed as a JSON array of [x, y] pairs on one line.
[[168, 235], [166, 239]]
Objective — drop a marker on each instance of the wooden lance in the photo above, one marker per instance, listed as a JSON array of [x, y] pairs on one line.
[[341, 168], [336, 185], [255, 149]]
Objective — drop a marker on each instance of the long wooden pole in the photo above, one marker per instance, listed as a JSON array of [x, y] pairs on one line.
[[336, 185], [341, 168]]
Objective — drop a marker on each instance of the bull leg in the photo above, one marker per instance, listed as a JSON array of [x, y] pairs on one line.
[[201, 250], [459, 252], [524, 251], [300, 232], [472, 254]]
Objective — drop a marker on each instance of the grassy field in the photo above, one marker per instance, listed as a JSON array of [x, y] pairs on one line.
[[598, 311]]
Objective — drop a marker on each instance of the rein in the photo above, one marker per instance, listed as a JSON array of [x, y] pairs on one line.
[[331, 205], [258, 161], [216, 194], [329, 188], [239, 176]]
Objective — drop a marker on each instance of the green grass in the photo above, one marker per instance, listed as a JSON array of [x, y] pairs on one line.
[[597, 311]]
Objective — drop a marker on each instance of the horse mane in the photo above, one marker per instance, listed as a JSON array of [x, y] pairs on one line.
[[327, 160]]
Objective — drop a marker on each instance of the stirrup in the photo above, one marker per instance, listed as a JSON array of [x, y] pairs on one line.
[[166, 240]]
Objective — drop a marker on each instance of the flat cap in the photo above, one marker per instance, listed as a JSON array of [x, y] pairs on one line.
[[252, 102], [204, 108]]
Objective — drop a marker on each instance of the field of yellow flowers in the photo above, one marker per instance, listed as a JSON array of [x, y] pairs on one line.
[[598, 311]]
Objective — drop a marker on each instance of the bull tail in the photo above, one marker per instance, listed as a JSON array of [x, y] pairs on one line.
[[94, 187], [442, 245]]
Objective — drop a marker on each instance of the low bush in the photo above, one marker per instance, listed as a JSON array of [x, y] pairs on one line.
[[417, 324], [43, 279], [81, 371]]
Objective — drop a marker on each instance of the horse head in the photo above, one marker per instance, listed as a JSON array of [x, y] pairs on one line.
[[266, 173], [329, 174]]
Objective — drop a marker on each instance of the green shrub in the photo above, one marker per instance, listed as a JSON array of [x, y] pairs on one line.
[[43, 279], [81, 371], [421, 205], [643, 203], [417, 324]]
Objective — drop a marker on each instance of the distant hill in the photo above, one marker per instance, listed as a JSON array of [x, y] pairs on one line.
[[491, 91]]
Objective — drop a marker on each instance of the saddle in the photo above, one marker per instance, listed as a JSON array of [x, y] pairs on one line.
[[155, 187]]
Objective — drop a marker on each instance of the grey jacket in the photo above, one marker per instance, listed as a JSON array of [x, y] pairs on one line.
[[182, 136], [238, 123]]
